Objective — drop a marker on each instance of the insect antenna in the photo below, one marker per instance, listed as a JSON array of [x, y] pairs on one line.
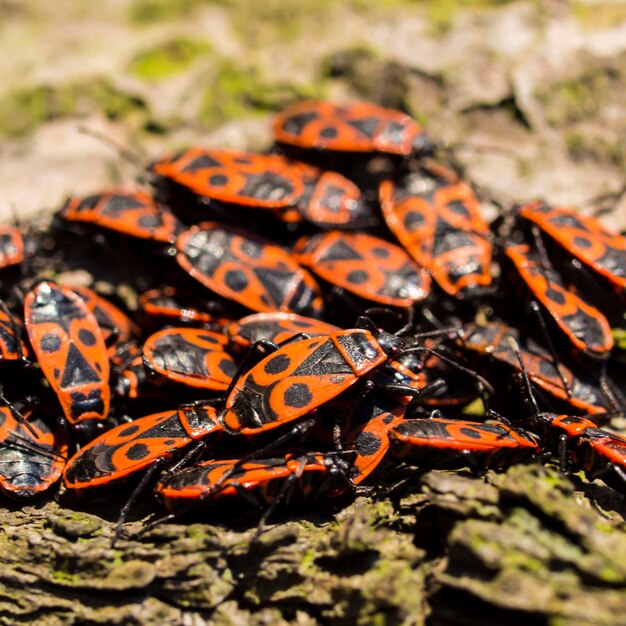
[[126, 153], [486, 385], [17, 414], [19, 442], [529, 397], [536, 310]]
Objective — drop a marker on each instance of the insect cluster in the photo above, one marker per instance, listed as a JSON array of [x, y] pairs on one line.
[[304, 320]]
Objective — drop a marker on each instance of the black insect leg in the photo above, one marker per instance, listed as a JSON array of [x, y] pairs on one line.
[[191, 457], [298, 429], [256, 353], [612, 393], [137, 491], [619, 472], [114, 334], [540, 246], [564, 467], [146, 479], [417, 395], [364, 388], [409, 315], [293, 339], [536, 310], [285, 492], [19, 442]]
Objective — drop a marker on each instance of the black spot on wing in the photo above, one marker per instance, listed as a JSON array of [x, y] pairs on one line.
[[298, 396]]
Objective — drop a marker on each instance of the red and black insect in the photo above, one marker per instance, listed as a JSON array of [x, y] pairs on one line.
[[284, 387], [127, 449], [291, 190], [366, 266], [192, 357], [70, 348], [12, 348], [32, 456], [330, 200], [364, 429], [350, 127], [262, 482], [276, 327], [133, 213], [263, 181], [12, 248], [437, 219], [169, 305], [118, 329], [582, 236], [302, 376], [583, 325], [421, 372], [248, 270], [132, 381], [438, 442], [573, 386], [579, 443]]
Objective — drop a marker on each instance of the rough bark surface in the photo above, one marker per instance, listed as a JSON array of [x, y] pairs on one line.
[[525, 545]]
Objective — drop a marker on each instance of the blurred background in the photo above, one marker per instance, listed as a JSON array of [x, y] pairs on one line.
[[532, 94]]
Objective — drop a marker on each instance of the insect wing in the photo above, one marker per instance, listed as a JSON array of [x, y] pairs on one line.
[[190, 356], [125, 450], [256, 274], [366, 266], [582, 323], [70, 349], [29, 463], [583, 236], [257, 180], [133, 213], [276, 327], [298, 378], [351, 127]]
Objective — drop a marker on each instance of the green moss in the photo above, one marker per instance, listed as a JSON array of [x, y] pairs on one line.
[[196, 531], [585, 147], [599, 14], [237, 91], [475, 408], [23, 110], [441, 13], [62, 571], [619, 336], [381, 512], [63, 577], [580, 97], [168, 59], [150, 11], [307, 563]]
